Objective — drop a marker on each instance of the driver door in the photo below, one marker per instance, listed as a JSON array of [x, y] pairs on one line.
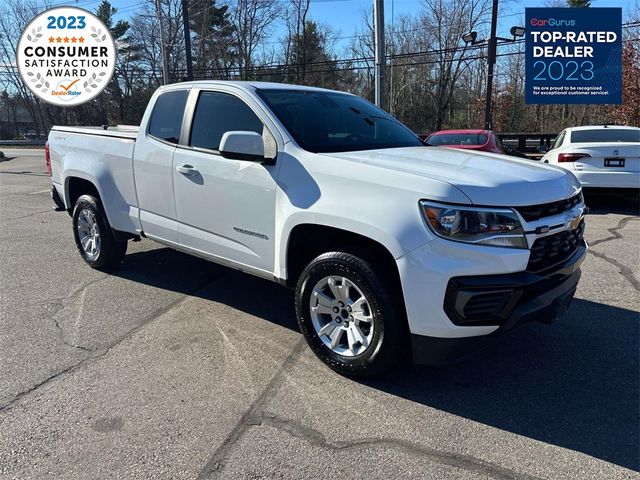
[[225, 208]]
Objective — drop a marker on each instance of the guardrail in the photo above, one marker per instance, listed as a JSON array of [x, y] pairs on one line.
[[529, 143], [23, 143], [533, 144]]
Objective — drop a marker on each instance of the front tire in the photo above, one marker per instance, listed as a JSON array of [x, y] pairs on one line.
[[347, 315], [94, 237]]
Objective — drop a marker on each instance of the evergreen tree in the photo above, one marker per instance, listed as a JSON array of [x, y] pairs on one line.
[[112, 99], [214, 45], [579, 3], [308, 48], [106, 12]]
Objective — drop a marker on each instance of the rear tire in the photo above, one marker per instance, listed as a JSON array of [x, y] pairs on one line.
[[94, 237], [347, 316]]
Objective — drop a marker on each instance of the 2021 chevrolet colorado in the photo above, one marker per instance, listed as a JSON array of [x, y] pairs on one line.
[[392, 246]]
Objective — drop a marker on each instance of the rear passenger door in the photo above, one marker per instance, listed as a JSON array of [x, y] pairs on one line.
[[153, 165], [225, 208]]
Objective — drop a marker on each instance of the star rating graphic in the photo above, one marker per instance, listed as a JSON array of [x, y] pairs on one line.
[[65, 56], [66, 40]]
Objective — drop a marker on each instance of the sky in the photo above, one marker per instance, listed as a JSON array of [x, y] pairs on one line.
[[344, 16]]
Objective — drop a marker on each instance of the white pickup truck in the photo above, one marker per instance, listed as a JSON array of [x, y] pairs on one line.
[[393, 247]]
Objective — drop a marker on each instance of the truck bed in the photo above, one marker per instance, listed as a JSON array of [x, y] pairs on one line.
[[105, 159], [120, 131]]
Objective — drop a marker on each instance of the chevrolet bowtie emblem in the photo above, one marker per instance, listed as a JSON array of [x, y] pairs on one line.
[[575, 222]]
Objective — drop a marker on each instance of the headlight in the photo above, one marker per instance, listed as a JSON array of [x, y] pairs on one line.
[[496, 227]]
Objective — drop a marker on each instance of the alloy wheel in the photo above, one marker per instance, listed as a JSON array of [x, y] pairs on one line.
[[341, 316]]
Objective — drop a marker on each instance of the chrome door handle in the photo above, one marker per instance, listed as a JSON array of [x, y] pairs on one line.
[[186, 169]]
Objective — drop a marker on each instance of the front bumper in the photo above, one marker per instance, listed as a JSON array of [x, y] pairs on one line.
[[522, 297], [608, 179]]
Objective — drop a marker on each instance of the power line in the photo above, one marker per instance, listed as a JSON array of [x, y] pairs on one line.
[[332, 63]]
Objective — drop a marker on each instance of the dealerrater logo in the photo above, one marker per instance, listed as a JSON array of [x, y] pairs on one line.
[[66, 56]]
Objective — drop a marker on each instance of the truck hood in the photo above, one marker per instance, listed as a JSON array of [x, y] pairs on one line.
[[485, 178]]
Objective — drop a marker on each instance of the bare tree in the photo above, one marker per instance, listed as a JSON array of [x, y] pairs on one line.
[[445, 21], [15, 16], [295, 17], [252, 21], [361, 48], [145, 34], [410, 75]]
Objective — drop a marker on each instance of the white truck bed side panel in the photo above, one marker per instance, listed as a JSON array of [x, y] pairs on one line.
[[120, 131], [105, 161]]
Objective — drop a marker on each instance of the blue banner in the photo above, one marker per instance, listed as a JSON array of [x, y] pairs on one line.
[[573, 55]]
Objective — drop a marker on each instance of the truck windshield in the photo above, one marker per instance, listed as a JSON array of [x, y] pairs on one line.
[[336, 122]]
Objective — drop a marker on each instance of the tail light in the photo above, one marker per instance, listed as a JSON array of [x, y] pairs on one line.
[[47, 158], [571, 157]]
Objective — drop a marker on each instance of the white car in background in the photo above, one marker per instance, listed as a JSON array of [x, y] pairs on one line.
[[600, 156]]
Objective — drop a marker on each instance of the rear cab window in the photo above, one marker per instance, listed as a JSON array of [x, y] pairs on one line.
[[217, 113], [166, 119], [605, 135]]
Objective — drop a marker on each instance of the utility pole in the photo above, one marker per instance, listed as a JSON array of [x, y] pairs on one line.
[[163, 50], [187, 38], [393, 52], [492, 43], [378, 27]]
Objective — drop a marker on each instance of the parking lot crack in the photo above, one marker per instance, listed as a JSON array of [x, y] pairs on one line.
[[456, 460], [625, 271], [255, 416], [32, 214], [76, 291], [60, 303], [615, 231], [96, 354], [251, 417], [8, 405], [64, 340]]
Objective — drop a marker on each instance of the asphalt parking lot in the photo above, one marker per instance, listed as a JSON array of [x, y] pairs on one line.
[[173, 367]]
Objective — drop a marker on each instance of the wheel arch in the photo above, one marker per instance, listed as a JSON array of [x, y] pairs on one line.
[[306, 241], [99, 182], [75, 186]]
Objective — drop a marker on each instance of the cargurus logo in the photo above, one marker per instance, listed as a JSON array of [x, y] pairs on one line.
[[552, 22]]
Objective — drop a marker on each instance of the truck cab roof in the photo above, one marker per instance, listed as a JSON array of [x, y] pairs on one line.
[[245, 85]]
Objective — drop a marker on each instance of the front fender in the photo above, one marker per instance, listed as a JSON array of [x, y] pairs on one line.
[[387, 240]]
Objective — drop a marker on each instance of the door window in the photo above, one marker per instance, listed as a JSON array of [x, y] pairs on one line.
[[166, 119], [217, 113]]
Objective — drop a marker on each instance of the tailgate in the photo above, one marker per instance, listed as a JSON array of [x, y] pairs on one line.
[[605, 157]]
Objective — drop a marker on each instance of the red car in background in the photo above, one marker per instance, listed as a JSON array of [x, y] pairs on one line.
[[482, 140]]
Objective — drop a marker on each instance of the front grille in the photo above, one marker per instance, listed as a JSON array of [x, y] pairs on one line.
[[553, 249], [537, 212]]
